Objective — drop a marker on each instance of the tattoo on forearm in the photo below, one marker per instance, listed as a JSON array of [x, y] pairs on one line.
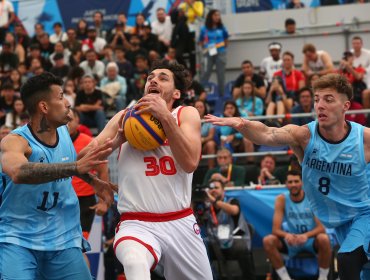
[[88, 178], [44, 126], [38, 173]]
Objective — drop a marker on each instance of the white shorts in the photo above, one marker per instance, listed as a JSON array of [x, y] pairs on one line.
[[173, 239]]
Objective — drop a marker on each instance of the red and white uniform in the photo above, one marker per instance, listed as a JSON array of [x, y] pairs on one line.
[[154, 203]]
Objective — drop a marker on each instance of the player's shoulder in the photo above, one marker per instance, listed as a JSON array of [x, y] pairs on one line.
[[13, 140], [188, 113]]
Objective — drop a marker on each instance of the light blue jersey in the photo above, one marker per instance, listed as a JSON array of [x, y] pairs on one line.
[[41, 217], [336, 184], [298, 215]]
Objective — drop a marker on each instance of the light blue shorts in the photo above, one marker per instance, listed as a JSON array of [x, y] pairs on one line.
[[20, 263], [354, 234]]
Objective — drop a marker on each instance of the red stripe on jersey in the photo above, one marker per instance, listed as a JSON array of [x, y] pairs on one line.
[[156, 217], [150, 248], [178, 115]]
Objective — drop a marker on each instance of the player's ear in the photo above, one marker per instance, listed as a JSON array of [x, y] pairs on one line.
[[176, 94], [347, 105], [43, 107]]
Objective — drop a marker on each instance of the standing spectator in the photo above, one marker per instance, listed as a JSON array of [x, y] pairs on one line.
[[272, 63], [115, 86], [182, 40], [7, 16], [81, 30], [93, 42], [89, 103], [13, 118], [101, 28], [214, 40], [293, 79], [93, 66], [207, 133], [21, 36], [162, 27], [315, 61], [249, 75], [8, 60], [248, 103], [59, 35], [305, 105]]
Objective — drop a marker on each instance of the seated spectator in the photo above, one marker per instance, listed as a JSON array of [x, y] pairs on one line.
[[359, 118], [290, 27], [140, 75], [149, 41], [15, 79], [170, 55], [272, 63], [8, 60], [118, 37], [60, 69], [59, 48], [196, 92], [230, 137], [46, 47], [228, 173], [115, 87], [108, 55], [135, 49], [315, 61], [81, 30], [89, 103], [35, 52], [293, 79], [248, 103], [72, 43], [295, 4], [278, 100], [152, 57], [355, 76], [69, 92], [16, 47], [93, 42], [305, 105], [207, 133], [227, 223], [21, 36], [59, 35], [93, 66], [248, 74], [125, 68], [268, 173], [13, 118], [121, 18], [140, 21], [38, 32], [7, 99], [304, 233]]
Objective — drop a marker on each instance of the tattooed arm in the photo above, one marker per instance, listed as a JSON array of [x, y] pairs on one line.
[[15, 153]]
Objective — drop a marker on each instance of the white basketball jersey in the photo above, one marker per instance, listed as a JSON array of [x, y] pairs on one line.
[[152, 181]]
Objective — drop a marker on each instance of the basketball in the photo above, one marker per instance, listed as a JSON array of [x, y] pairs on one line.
[[143, 132]]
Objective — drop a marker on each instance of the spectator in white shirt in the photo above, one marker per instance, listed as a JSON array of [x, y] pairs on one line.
[[272, 63], [162, 27], [92, 66], [59, 35]]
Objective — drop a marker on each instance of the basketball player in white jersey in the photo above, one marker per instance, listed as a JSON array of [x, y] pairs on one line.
[[316, 61], [157, 224]]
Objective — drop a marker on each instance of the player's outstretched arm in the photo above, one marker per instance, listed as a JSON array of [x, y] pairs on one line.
[[15, 164], [261, 134]]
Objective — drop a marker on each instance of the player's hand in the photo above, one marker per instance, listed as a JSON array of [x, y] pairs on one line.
[[95, 156], [290, 239], [301, 239], [100, 208], [104, 190], [233, 122], [120, 136], [153, 104]]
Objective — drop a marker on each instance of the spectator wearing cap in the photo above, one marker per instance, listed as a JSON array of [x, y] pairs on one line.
[[149, 41], [272, 63], [59, 48], [89, 103], [119, 37], [8, 59], [59, 35], [92, 66], [316, 61], [60, 69], [162, 27], [293, 79], [115, 86], [93, 42]]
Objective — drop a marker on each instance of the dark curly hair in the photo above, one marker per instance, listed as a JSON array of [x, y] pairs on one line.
[[38, 88], [181, 76]]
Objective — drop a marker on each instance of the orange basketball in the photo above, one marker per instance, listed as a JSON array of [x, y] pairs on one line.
[[143, 131]]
